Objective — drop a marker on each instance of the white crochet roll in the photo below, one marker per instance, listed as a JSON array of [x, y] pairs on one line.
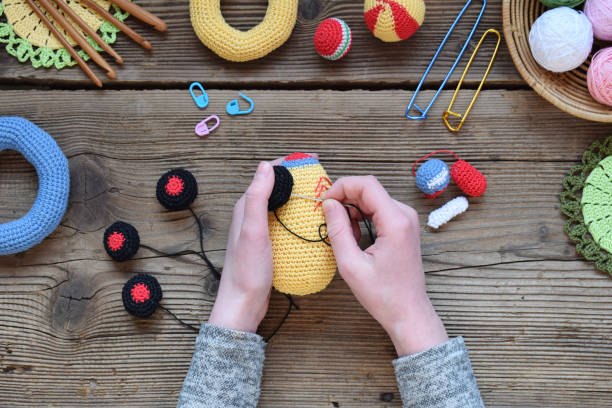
[[447, 212]]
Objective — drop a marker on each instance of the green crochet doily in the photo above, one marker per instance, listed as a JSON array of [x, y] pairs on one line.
[[586, 200], [45, 56]]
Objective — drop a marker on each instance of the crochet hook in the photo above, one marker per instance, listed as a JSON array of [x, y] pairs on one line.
[[118, 23], [88, 30], [463, 117], [61, 20], [141, 14], [65, 43]]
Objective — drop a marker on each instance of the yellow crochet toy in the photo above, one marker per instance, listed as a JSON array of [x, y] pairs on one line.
[[304, 262], [239, 46]]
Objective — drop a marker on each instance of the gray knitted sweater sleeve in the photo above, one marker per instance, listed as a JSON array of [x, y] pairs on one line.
[[439, 377], [225, 370], [227, 365]]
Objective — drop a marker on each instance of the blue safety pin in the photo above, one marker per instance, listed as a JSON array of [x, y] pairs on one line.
[[412, 103], [233, 108], [202, 100]]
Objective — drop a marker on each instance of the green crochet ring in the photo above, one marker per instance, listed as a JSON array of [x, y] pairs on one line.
[[24, 51], [586, 200]]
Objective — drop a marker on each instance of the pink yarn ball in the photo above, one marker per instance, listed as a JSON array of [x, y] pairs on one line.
[[599, 13], [599, 76]]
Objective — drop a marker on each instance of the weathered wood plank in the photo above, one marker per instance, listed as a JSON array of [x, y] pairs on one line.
[[536, 317], [178, 57]]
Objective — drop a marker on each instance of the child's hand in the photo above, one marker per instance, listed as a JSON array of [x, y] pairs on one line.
[[387, 278], [246, 281]]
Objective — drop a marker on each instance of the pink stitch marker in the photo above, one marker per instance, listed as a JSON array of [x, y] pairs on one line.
[[202, 128]]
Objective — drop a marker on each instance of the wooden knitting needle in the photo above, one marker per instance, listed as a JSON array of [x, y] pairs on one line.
[[118, 23], [65, 43], [141, 14], [57, 16], [87, 29]]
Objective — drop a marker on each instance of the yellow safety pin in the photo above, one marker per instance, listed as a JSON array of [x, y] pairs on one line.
[[484, 77]]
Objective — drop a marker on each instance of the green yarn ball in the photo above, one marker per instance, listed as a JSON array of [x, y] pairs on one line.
[[561, 3]]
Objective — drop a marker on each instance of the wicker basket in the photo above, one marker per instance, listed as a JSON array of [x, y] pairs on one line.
[[568, 91]]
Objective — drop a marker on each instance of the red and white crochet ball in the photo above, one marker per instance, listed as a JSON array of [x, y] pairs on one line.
[[333, 39]]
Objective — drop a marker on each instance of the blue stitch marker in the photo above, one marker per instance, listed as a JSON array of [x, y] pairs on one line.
[[233, 108], [202, 100]]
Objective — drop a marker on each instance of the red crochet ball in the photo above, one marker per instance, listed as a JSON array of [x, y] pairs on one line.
[[469, 180]]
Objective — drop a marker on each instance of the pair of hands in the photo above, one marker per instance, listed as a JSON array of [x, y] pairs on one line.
[[387, 278]]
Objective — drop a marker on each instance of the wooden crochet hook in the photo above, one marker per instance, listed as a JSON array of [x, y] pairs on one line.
[[61, 20], [118, 23], [87, 29], [65, 43], [141, 14]]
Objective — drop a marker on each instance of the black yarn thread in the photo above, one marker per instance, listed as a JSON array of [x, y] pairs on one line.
[[130, 244], [366, 221], [283, 185], [195, 329], [292, 304], [322, 238], [181, 200]]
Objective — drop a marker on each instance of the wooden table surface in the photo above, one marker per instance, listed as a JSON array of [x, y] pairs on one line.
[[534, 315]]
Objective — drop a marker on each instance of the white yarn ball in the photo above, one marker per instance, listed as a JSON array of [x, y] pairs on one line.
[[561, 39]]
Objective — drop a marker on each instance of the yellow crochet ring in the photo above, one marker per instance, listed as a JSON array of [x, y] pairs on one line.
[[239, 46]]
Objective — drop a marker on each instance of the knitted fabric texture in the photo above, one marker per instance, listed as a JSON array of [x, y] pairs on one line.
[[432, 177], [468, 179], [29, 40], [301, 267], [333, 39], [141, 295], [283, 185], [121, 241], [573, 205], [239, 46], [596, 203], [447, 212], [394, 20], [176, 189], [39, 148]]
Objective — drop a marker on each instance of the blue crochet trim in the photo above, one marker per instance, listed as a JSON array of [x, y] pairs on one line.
[[39, 148], [301, 162]]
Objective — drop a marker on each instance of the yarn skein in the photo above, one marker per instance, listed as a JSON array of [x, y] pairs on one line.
[[561, 39], [599, 76], [393, 20], [599, 13], [333, 39], [561, 3]]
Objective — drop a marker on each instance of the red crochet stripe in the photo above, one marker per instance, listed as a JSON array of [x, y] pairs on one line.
[[140, 293], [115, 241], [405, 24], [297, 156], [175, 186], [328, 37], [371, 17]]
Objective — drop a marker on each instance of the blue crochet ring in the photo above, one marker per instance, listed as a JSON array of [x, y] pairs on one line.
[[39, 148]]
